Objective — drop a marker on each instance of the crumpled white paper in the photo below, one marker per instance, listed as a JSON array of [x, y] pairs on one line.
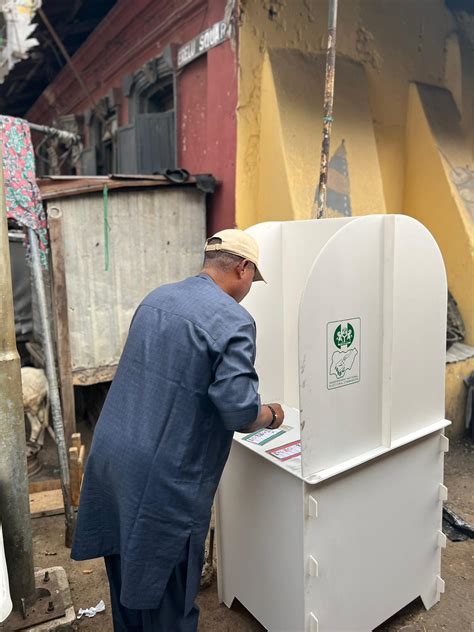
[[91, 612]]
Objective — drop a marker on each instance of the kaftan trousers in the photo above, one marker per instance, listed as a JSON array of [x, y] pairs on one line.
[[170, 616]]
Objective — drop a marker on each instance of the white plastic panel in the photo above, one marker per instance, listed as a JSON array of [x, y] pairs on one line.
[[302, 242], [419, 329], [341, 386], [5, 601], [260, 517], [265, 304], [291, 433], [371, 557], [287, 253]]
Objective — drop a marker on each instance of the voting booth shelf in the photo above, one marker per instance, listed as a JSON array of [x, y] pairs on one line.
[[333, 522]]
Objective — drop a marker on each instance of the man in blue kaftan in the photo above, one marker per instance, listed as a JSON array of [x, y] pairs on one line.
[[185, 382]]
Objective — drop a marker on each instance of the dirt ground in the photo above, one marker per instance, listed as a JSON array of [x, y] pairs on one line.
[[454, 613]]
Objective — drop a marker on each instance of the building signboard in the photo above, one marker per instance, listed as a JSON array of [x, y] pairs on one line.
[[213, 36]]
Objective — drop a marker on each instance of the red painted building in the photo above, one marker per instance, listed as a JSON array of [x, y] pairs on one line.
[[139, 112]]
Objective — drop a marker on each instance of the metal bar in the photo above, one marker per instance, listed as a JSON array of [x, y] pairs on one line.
[[53, 386], [320, 209], [61, 134], [14, 502]]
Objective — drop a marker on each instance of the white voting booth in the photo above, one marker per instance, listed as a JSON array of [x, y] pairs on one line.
[[5, 601], [333, 522]]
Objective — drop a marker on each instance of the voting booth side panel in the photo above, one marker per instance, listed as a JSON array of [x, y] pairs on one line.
[[287, 253], [341, 347], [375, 539], [371, 342], [260, 540], [418, 356], [265, 304], [301, 244]]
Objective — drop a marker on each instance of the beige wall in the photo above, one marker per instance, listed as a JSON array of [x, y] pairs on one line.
[[409, 147], [396, 41], [435, 144]]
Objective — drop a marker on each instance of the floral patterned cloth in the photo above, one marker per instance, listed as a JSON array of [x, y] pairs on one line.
[[23, 199]]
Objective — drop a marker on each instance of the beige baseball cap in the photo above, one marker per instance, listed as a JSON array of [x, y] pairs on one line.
[[237, 242]]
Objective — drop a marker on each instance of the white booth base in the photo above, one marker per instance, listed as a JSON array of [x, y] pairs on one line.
[[340, 555]]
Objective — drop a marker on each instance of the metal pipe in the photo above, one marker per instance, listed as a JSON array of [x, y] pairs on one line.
[[53, 387], [14, 501], [60, 134], [328, 109]]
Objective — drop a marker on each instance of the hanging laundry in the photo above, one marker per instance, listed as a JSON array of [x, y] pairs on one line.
[[22, 195]]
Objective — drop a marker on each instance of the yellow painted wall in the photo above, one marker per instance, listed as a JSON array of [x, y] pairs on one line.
[[396, 42], [403, 154], [456, 395], [291, 83], [273, 201], [434, 140]]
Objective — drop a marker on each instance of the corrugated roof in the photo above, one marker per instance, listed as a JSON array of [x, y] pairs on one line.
[[63, 186]]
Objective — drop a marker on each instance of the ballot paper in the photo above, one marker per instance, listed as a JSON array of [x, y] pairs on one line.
[[287, 451], [263, 436]]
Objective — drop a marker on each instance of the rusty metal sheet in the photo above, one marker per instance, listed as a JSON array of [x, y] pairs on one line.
[[156, 236]]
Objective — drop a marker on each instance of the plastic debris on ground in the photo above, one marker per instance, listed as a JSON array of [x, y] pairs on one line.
[[91, 612]]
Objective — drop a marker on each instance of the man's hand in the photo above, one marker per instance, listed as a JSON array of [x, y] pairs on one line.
[[279, 415], [265, 419]]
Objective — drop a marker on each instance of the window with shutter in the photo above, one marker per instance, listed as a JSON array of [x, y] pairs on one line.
[[127, 159], [155, 141], [148, 144], [89, 162]]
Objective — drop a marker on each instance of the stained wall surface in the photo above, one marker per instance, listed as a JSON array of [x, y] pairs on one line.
[[396, 43], [403, 130], [155, 237]]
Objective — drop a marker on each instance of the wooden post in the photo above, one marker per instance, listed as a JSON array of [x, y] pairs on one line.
[[60, 312], [76, 467]]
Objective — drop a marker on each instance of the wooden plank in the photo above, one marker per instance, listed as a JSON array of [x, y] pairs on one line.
[[48, 503], [60, 312], [75, 475], [96, 185], [76, 440], [44, 486], [87, 377]]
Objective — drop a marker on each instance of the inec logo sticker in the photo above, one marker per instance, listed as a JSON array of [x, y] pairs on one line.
[[344, 335], [343, 352]]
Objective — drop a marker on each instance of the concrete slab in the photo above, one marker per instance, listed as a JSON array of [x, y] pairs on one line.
[[64, 623]]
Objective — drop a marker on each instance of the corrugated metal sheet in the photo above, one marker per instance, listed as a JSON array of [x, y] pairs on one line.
[[156, 236]]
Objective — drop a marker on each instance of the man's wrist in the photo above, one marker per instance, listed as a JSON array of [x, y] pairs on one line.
[[274, 415]]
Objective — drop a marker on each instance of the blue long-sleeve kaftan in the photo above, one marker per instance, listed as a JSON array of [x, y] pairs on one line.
[[185, 382]]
